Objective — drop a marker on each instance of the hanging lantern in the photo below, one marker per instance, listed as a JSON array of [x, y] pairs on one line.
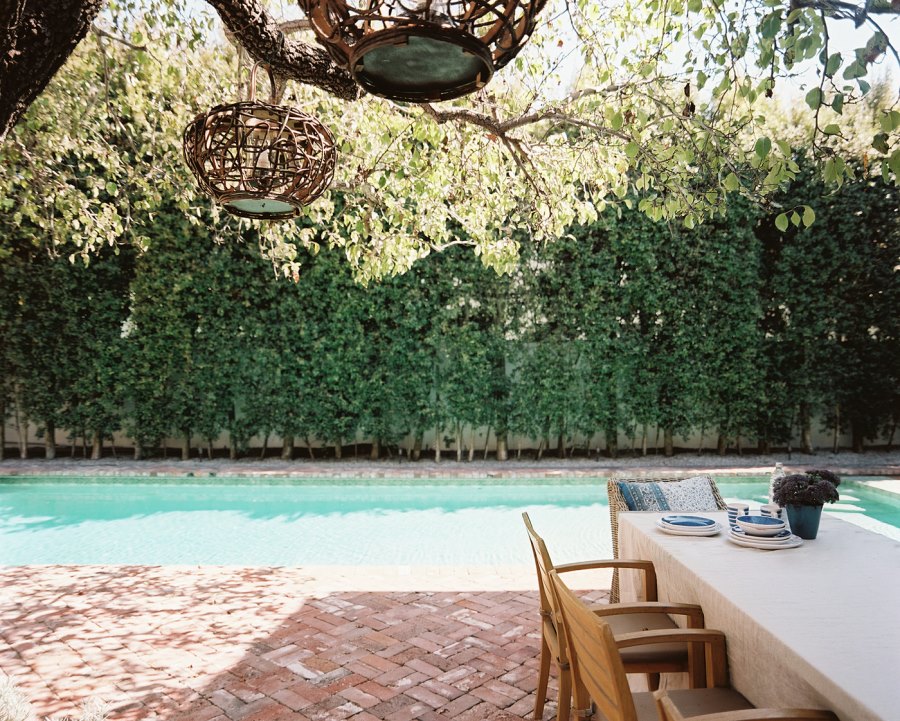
[[422, 50], [259, 160]]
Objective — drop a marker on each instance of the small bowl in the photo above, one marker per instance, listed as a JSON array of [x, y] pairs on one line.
[[760, 525]]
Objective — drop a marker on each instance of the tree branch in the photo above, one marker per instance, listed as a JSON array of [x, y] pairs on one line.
[[265, 41]]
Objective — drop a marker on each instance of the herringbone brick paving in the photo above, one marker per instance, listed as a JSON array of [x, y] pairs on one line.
[[238, 644]]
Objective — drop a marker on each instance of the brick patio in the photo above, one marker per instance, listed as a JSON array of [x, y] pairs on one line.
[[239, 644]]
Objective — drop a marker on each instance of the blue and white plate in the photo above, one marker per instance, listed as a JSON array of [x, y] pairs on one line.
[[704, 530], [688, 521], [763, 543], [780, 536]]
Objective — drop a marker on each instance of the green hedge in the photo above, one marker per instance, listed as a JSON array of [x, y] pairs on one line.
[[733, 330]]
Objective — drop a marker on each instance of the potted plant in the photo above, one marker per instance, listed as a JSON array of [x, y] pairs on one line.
[[802, 495]]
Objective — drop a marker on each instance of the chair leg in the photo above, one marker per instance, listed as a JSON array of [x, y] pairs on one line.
[[653, 681], [564, 702], [543, 678]]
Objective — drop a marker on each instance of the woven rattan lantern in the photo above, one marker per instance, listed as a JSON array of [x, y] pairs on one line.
[[422, 50], [259, 160]]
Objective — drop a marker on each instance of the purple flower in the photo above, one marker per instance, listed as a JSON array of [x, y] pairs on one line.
[[813, 488]]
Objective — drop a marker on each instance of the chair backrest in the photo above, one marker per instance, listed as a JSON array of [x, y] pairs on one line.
[[658, 493], [543, 565], [594, 658]]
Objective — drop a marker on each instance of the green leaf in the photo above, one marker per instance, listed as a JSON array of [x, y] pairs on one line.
[[770, 25], [854, 70], [809, 216], [837, 104], [781, 222], [833, 64], [112, 188], [732, 183], [879, 142], [814, 98], [832, 129], [631, 150], [894, 162], [763, 146]]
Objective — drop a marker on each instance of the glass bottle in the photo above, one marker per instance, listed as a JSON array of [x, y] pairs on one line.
[[777, 474]]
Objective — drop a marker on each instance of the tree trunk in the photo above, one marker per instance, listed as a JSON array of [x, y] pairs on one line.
[[375, 453], [644, 441], [472, 445], [561, 445], [209, 449], [857, 437], [722, 445], [2, 426], [806, 445], [339, 450], [502, 446], [37, 37], [837, 428], [763, 447], [50, 441], [287, 447], [232, 450], [138, 450], [417, 447], [487, 443], [265, 446], [186, 445], [437, 445], [612, 443], [309, 447], [458, 443], [668, 443], [96, 445], [22, 430]]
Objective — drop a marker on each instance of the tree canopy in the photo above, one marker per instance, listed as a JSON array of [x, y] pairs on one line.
[[660, 104]]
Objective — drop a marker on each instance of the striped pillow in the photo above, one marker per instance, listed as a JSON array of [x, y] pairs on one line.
[[689, 494]]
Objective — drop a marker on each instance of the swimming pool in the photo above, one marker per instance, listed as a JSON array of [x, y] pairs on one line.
[[261, 523]]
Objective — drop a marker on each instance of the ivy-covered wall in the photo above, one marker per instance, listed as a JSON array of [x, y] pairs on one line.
[[624, 333]]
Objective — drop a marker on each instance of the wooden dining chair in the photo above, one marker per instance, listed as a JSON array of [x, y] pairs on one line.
[[599, 674], [697, 493], [622, 618]]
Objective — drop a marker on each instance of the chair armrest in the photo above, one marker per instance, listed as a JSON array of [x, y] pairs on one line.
[[603, 563], [693, 612], [646, 567], [716, 662], [669, 712]]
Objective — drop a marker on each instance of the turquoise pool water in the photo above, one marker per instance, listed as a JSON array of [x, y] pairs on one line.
[[263, 523]]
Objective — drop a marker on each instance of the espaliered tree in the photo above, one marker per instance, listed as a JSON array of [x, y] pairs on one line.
[[831, 311], [659, 92]]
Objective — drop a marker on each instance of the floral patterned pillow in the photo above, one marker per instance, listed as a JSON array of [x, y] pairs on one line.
[[689, 494]]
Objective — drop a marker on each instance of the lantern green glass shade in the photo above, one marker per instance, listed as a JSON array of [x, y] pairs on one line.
[[417, 66], [422, 50], [258, 160]]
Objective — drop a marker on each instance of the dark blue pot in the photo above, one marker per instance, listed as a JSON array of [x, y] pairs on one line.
[[804, 520]]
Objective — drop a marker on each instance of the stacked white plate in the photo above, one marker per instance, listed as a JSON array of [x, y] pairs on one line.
[[762, 532], [681, 525]]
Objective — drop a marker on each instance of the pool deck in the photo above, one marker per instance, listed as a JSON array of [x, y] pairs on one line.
[[300, 644], [269, 644], [884, 464]]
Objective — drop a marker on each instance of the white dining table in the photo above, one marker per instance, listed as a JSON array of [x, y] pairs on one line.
[[816, 626]]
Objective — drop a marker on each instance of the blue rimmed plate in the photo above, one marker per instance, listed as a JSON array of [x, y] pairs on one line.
[[685, 522], [704, 530]]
